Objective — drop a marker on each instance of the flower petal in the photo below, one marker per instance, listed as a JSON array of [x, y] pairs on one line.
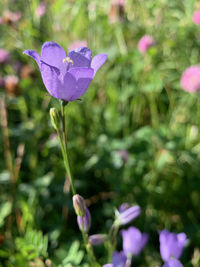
[[81, 57], [50, 77], [76, 82], [53, 54], [98, 61], [34, 55]]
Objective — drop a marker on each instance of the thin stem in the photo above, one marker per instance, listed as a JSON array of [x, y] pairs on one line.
[[66, 162], [63, 123]]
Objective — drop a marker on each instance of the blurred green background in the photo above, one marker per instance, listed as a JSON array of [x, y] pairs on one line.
[[135, 104]]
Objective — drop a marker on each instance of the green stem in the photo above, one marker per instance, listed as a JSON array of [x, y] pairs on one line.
[[66, 162]]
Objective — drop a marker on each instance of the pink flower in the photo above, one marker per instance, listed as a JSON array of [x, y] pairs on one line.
[[41, 10], [145, 43], [4, 56], [196, 17], [77, 44], [190, 79]]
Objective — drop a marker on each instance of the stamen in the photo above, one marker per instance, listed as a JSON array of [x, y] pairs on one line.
[[68, 60]]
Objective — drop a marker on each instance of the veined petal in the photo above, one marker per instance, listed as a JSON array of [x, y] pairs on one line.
[[51, 80], [34, 55], [98, 61], [81, 57], [53, 54], [76, 82]]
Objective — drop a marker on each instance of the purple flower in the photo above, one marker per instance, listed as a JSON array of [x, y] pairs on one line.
[[196, 17], [133, 240], [173, 263], [4, 56], [171, 244], [97, 239], [66, 78], [123, 207], [190, 79], [84, 222], [118, 260], [127, 215], [145, 43]]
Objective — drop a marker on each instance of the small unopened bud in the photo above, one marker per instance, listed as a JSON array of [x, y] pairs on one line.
[[54, 118], [84, 222], [97, 239], [79, 205]]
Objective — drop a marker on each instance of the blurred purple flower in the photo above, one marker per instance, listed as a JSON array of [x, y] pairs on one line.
[[76, 44], [171, 244], [97, 239], [127, 215], [118, 260], [173, 263], [133, 240], [4, 56], [196, 17], [66, 78], [145, 43], [84, 222], [41, 10], [124, 155], [190, 79]]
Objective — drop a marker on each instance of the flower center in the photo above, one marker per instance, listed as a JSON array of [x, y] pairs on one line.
[[68, 60]]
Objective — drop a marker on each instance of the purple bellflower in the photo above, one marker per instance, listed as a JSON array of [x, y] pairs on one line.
[[173, 263], [127, 214], [84, 222], [133, 241], [171, 245], [66, 78], [118, 260]]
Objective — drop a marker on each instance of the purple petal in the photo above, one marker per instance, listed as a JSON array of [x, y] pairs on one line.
[[108, 265], [129, 215], [98, 61], [173, 263], [34, 55], [76, 82], [81, 57], [53, 54], [50, 77]]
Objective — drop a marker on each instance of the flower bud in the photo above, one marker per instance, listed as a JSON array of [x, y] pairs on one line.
[[127, 215], [84, 222], [54, 118], [79, 205], [97, 239]]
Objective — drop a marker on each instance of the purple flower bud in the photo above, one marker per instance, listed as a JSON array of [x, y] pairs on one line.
[[128, 215], [173, 263], [133, 240], [108, 265], [79, 205], [171, 244], [97, 239], [84, 222]]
